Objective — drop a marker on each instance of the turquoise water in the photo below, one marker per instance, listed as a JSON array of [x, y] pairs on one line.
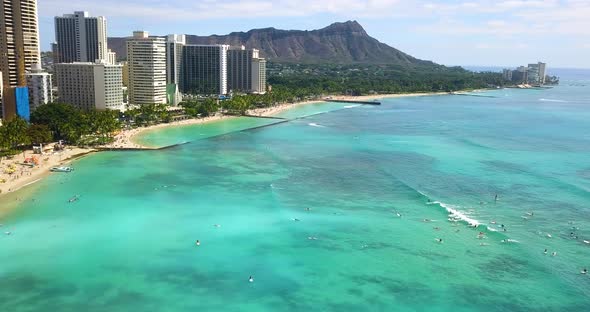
[[128, 243]]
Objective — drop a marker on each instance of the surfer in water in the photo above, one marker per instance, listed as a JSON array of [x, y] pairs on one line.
[[439, 240], [198, 243], [584, 271], [251, 279], [545, 252]]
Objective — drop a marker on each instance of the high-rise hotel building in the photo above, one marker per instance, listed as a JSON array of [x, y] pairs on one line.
[[146, 59], [90, 85], [258, 76], [19, 50], [174, 45], [39, 83], [204, 69], [239, 69], [246, 71], [19, 40], [80, 38]]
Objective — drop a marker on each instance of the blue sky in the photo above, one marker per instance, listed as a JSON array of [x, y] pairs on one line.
[[451, 32]]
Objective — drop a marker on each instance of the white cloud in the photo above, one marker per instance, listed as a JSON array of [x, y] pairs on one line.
[[207, 9]]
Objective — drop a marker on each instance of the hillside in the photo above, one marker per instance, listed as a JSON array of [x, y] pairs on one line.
[[343, 43]]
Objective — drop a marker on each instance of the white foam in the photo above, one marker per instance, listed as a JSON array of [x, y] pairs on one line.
[[351, 106], [315, 125], [552, 100], [458, 214]]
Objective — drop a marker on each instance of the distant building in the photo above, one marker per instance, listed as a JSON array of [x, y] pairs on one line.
[[239, 69], [174, 45], [258, 75], [246, 71], [111, 57], [146, 58], [125, 74], [520, 75], [90, 85], [533, 73], [542, 72], [507, 74], [204, 69], [40, 88], [80, 38]]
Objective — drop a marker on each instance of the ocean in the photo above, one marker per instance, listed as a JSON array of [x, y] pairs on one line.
[[340, 208]]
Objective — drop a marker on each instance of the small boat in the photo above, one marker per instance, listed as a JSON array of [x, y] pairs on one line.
[[62, 169]]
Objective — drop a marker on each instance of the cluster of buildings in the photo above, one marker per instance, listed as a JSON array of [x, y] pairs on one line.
[[533, 74], [85, 72]]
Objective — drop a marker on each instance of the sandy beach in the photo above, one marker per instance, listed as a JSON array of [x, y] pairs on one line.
[[15, 174]]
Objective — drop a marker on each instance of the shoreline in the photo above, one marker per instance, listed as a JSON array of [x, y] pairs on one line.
[[127, 139], [26, 178]]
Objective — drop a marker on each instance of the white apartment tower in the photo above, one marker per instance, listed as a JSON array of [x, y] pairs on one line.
[[258, 75], [80, 38], [111, 57], [174, 45], [90, 85], [19, 40], [146, 58], [39, 83]]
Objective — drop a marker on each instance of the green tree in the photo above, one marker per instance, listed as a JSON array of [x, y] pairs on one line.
[[39, 134], [62, 119], [15, 133]]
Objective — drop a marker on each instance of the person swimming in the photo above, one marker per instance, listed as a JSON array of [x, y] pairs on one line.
[[545, 252], [496, 198], [553, 254], [440, 240], [584, 271], [198, 243], [251, 279], [307, 209]]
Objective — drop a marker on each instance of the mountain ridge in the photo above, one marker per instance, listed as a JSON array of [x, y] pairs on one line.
[[341, 43]]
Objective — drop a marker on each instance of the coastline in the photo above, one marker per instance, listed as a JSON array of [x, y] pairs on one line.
[[24, 178], [127, 139]]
